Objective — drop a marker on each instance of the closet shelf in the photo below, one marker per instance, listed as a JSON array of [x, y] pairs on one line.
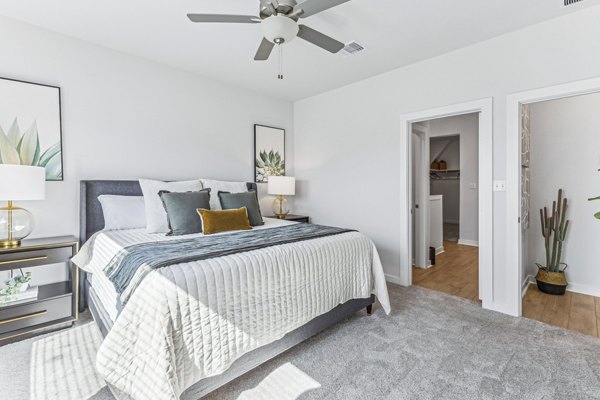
[[444, 174]]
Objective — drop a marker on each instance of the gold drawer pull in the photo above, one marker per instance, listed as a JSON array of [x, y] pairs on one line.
[[23, 260], [26, 316]]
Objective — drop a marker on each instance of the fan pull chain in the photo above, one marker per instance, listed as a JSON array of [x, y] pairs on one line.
[[280, 75]]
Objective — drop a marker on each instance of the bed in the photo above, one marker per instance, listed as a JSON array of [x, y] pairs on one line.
[[192, 327]]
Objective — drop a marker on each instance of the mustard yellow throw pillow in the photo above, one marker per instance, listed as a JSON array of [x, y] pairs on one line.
[[215, 221]]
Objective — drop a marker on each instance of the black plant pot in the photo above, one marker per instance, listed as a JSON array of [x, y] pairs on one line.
[[549, 288], [551, 282]]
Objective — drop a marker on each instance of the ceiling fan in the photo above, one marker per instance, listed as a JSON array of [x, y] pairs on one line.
[[279, 22]]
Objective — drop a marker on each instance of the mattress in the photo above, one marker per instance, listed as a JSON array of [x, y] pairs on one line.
[[103, 287]]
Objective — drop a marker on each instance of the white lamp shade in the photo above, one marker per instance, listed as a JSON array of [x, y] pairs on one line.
[[282, 185], [21, 182], [279, 27]]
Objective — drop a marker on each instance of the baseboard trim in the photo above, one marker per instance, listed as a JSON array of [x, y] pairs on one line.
[[393, 279], [583, 289], [439, 250], [529, 279], [573, 287], [467, 242]]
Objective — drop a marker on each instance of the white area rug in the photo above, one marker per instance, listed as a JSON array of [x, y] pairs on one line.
[[56, 366]]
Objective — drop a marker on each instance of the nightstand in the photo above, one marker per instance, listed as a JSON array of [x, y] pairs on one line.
[[296, 218], [55, 303]]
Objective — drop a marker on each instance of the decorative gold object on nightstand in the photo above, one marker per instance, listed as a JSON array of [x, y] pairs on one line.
[[18, 182], [281, 186]]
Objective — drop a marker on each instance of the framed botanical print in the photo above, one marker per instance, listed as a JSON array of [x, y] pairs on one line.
[[30, 126], [269, 152]]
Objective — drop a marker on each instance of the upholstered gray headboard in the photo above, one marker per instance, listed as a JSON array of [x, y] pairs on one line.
[[91, 219]]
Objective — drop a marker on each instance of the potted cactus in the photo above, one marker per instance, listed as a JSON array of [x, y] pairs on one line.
[[551, 277]]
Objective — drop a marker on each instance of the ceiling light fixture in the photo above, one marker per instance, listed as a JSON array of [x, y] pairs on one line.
[[279, 30]]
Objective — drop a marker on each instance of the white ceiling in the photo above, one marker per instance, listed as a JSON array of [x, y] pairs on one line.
[[395, 33]]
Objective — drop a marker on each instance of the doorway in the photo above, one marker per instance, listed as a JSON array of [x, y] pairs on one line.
[[522, 206], [515, 269], [445, 176], [484, 183]]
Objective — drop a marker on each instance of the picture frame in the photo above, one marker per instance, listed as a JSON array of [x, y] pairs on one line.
[[269, 152], [31, 126]]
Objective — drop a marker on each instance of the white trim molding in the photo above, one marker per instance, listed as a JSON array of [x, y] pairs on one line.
[[573, 287], [467, 242], [393, 279], [529, 279], [514, 268], [583, 289], [486, 268]]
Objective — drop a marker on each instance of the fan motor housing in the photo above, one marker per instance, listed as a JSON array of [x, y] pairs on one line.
[[281, 6]]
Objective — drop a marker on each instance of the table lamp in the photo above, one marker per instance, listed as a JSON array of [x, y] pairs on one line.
[[18, 182], [281, 186]]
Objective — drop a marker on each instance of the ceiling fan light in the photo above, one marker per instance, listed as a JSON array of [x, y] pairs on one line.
[[278, 27]]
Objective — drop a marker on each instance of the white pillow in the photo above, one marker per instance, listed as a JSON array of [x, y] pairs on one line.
[[123, 212], [222, 186], [156, 216]]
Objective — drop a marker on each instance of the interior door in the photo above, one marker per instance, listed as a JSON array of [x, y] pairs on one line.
[[420, 194]]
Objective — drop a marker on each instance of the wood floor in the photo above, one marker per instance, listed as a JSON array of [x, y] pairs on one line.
[[573, 311], [456, 272]]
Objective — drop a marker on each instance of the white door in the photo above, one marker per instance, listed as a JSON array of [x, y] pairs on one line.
[[420, 194]]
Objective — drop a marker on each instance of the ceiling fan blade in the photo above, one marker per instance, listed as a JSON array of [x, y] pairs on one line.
[[236, 19], [319, 39], [312, 7], [264, 50]]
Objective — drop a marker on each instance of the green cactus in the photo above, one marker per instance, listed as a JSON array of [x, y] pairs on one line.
[[597, 215], [554, 231]]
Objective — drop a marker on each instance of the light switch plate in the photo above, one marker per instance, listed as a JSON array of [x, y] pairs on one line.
[[473, 186], [499, 186]]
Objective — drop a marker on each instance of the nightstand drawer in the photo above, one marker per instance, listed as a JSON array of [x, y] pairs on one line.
[[35, 313], [32, 258]]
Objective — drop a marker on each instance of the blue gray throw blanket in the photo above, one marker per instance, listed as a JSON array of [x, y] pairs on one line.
[[123, 267]]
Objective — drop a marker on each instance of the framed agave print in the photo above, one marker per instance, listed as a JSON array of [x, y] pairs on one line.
[[269, 152], [30, 126]]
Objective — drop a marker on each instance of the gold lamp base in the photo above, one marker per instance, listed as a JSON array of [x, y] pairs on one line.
[[9, 244], [19, 224], [280, 207]]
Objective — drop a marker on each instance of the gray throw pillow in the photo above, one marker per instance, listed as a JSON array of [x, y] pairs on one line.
[[181, 210], [230, 201]]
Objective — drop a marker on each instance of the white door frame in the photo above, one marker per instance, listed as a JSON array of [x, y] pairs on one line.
[[421, 256], [486, 269], [514, 267]]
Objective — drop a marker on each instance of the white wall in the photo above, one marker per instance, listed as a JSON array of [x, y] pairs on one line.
[[350, 135], [124, 117], [565, 153], [468, 128]]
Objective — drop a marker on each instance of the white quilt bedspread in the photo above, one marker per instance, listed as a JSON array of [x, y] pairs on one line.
[[190, 321]]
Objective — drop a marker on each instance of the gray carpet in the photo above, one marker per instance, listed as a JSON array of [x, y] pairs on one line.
[[433, 346]]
